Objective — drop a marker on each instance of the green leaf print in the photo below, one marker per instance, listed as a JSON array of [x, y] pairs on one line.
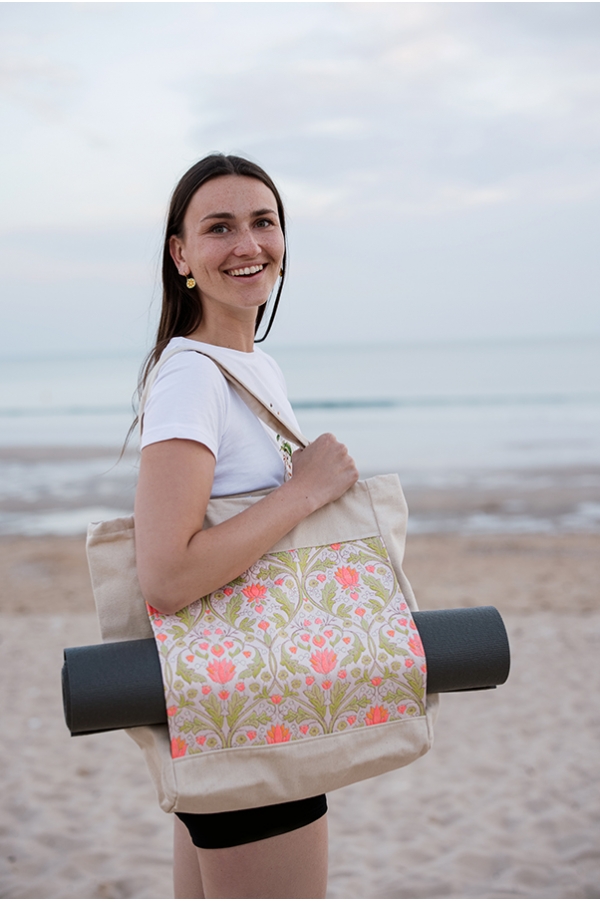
[[291, 664], [317, 699], [377, 547], [188, 673], [375, 606], [343, 610], [186, 618], [376, 586], [254, 667], [387, 645], [236, 706], [354, 655], [284, 601], [327, 597], [231, 609], [213, 709], [337, 696], [414, 678]]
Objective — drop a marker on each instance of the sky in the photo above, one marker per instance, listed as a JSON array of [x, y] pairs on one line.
[[439, 163]]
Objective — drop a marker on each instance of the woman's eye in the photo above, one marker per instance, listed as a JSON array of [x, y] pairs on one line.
[[219, 229], [263, 223]]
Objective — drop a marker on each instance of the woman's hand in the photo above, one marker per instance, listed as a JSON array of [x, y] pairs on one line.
[[324, 469]]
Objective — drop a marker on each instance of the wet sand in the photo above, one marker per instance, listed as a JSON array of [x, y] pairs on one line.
[[506, 805]]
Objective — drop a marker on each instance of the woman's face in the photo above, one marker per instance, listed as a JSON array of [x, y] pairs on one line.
[[232, 243]]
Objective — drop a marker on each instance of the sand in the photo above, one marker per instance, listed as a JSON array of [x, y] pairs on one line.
[[506, 805]]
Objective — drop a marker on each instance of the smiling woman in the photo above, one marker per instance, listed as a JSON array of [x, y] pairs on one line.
[[224, 254]]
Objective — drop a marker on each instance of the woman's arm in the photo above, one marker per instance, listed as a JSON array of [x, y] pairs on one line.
[[178, 561]]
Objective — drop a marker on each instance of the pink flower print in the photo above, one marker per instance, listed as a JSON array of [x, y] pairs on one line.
[[378, 714], [412, 624], [246, 653], [217, 650], [370, 568], [228, 643], [309, 680], [161, 638], [360, 612], [152, 611], [293, 649], [347, 640], [304, 728], [264, 625], [223, 694], [327, 684], [258, 608], [319, 621], [403, 606], [206, 632], [401, 709], [424, 668], [240, 687], [276, 699], [206, 690], [189, 658], [172, 711], [346, 577], [351, 719], [307, 623], [323, 661], [321, 577], [251, 734], [278, 733], [376, 681], [279, 582], [253, 593], [203, 645], [319, 641], [416, 646], [391, 632], [329, 633], [219, 631], [158, 623], [178, 747], [408, 662], [228, 590], [305, 637], [354, 596], [342, 674], [200, 740], [221, 671], [403, 621], [336, 546]]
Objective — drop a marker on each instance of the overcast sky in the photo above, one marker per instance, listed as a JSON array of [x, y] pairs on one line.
[[440, 163]]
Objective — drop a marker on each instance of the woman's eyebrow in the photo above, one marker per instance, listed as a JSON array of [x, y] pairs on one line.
[[231, 216]]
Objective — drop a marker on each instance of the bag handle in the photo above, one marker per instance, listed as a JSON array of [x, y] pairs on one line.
[[263, 409]]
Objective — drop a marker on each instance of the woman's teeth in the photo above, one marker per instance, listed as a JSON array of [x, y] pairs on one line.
[[246, 271]]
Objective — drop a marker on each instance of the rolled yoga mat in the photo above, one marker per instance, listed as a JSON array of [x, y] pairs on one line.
[[119, 684]]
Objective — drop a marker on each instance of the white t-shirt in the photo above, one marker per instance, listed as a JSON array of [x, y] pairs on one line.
[[191, 399]]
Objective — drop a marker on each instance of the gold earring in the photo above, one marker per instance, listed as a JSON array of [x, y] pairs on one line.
[[280, 273], [190, 282]]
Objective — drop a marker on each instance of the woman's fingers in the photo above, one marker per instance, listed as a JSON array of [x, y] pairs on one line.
[[325, 467]]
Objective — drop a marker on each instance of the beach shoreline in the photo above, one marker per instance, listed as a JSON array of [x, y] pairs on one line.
[[506, 805]]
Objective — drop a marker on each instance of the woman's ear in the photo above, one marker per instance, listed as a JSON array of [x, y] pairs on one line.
[[178, 256]]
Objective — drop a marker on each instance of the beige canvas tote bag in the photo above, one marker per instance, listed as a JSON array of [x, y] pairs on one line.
[[303, 675]]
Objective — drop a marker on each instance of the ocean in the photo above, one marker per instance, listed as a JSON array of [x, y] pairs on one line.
[[485, 416]]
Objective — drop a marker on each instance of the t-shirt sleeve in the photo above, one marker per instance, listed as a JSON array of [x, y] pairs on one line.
[[189, 400]]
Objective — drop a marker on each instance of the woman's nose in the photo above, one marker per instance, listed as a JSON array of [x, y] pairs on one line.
[[246, 245]]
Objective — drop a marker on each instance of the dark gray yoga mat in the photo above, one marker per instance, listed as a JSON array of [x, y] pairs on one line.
[[119, 684]]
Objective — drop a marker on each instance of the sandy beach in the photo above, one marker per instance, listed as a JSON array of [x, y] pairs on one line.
[[506, 805]]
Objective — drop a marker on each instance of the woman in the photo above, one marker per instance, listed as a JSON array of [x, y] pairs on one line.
[[224, 254]]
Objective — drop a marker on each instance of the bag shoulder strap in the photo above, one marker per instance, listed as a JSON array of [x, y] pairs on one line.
[[262, 408]]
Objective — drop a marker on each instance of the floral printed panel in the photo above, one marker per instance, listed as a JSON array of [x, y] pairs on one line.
[[304, 643]]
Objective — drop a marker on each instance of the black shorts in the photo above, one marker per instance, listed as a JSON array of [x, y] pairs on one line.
[[234, 828]]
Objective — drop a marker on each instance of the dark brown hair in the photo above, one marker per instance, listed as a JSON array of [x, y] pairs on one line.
[[181, 311]]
